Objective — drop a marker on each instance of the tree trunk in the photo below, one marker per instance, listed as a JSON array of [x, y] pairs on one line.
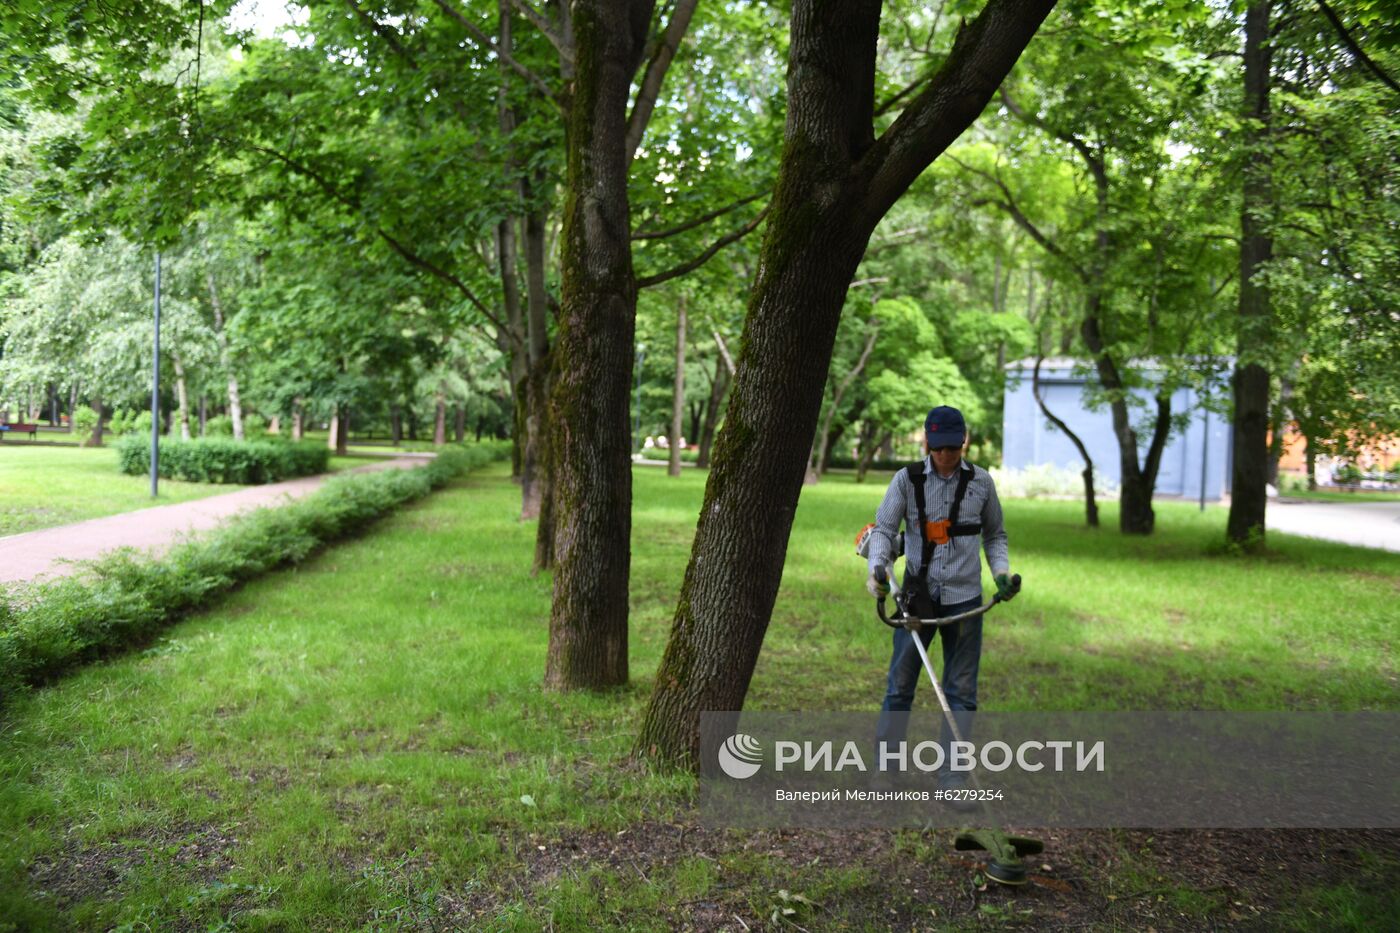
[[868, 454], [1248, 496], [96, 439], [235, 407], [395, 424], [298, 421], [412, 422], [590, 457], [535, 474], [53, 405], [1091, 507], [718, 384], [673, 468], [512, 342], [822, 445], [440, 420], [835, 183], [459, 423], [181, 396], [1138, 479], [1310, 461], [333, 439], [204, 415]]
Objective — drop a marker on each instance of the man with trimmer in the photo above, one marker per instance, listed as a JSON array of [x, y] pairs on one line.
[[947, 506]]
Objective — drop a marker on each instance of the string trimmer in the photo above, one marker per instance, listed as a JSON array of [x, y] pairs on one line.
[[1004, 853]]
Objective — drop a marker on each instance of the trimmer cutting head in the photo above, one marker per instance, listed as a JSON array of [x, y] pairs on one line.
[[1004, 853]]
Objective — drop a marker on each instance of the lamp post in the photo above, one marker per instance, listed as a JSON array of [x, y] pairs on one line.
[[155, 393]]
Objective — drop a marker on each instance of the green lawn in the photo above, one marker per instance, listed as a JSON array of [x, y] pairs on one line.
[[362, 743], [41, 486]]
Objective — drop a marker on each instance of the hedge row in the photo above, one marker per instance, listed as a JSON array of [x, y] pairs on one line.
[[221, 460], [47, 628]]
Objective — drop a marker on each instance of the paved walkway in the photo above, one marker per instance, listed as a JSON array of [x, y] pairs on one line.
[[1369, 524], [43, 554]]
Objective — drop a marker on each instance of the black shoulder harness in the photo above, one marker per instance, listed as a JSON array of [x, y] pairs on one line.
[[955, 529]]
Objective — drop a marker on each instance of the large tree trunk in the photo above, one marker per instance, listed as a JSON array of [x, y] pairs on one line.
[[590, 456], [835, 183], [459, 423], [673, 468], [235, 406], [181, 396], [298, 420], [1248, 495]]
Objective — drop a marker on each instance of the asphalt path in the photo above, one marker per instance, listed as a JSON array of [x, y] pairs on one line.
[[1366, 524], [50, 552]]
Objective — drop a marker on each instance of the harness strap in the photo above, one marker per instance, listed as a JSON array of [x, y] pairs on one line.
[[954, 529]]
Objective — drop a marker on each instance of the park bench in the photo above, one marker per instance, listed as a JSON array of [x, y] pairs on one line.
[[31, 429]]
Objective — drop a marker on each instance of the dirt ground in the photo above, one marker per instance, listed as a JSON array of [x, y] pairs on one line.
[[1086, 879]]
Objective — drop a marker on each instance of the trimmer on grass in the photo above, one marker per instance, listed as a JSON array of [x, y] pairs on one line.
[[1005, 852]]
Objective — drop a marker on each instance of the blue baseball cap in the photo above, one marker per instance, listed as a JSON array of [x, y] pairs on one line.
[[945, 427]]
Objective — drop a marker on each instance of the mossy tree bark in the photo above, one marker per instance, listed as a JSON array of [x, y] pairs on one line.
[[1251, 377], [590, 461], [836, 181]]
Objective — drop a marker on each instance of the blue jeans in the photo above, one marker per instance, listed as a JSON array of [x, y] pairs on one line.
[[962, 653]]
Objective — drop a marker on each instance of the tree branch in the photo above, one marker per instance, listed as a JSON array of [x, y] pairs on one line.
[[1355, 47], [1007, 203], [691, 224], [706, 256], [484, 40], [398, 48], [412, 258], [724, 352], [1091, 158], [983, 53], [660, 62], [546, 28]]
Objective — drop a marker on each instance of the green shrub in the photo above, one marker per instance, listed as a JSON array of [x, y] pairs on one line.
[[130, 422], [224, 460], [254, 426], [50, 627], [218, 426], [84, 423]]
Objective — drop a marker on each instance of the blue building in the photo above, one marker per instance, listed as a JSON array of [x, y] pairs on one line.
[[1198, 455]]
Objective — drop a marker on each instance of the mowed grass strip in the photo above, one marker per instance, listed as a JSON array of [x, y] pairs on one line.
[[42, 487], [362, 741]]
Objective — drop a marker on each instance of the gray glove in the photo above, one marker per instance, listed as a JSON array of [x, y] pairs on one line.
[[876, 587]]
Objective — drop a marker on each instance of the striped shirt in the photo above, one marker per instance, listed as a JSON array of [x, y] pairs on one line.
[[955, 574]]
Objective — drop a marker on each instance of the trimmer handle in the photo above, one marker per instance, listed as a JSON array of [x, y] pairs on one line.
[[902, 621], [1015, 588]]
